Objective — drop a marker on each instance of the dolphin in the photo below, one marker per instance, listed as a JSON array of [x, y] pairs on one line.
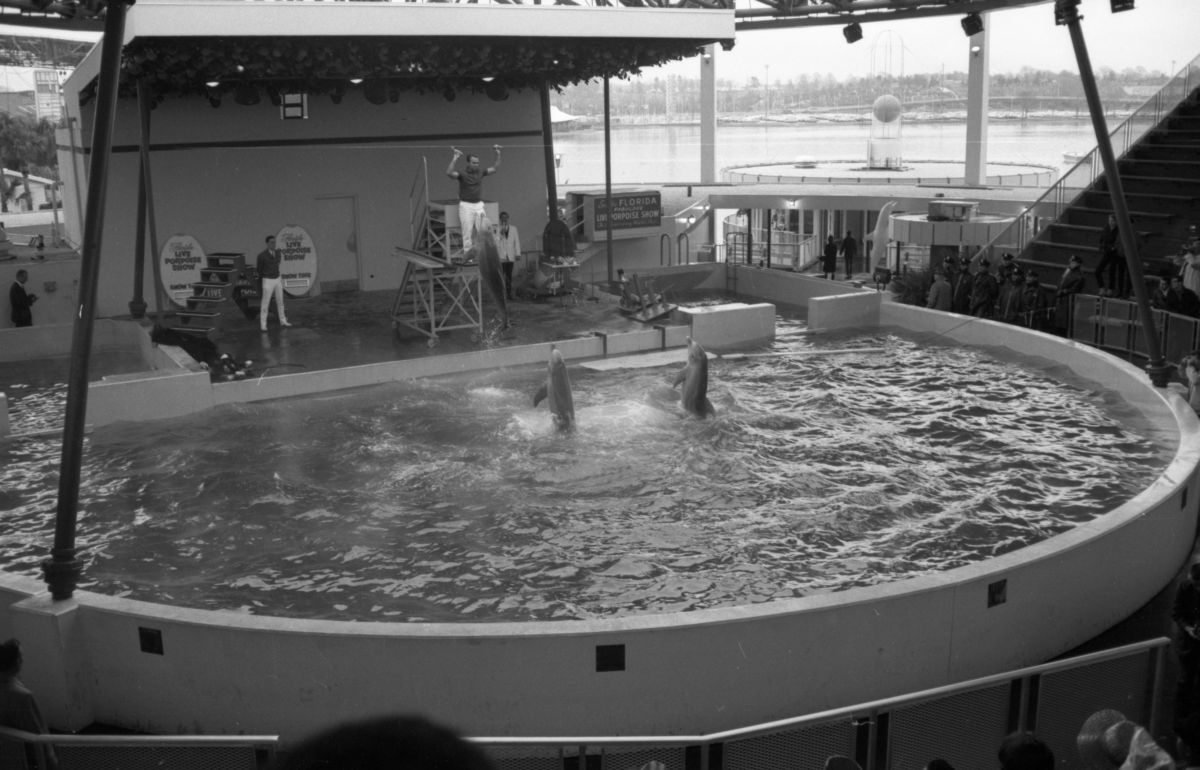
[[557, 390], [694, 377], [487, 256]]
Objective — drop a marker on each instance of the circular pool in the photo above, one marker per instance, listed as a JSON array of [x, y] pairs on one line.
[[454, 500]]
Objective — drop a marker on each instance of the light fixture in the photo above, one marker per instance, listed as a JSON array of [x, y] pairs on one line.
[[853, 32], [972, 24], [1121, 5], [355, 81], [449, 94], [496, 90], [337, 93], [212, 83], [1065, 11], [214, 99], [976, 48], [376, 91], [488, 79]]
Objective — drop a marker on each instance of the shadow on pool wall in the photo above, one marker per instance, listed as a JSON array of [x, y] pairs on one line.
[[166, 669]]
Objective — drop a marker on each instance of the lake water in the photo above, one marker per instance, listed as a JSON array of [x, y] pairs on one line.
[[649, 154]]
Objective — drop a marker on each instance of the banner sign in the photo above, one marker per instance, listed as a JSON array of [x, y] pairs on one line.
[[297, 260], [630, 210], [181, 259]]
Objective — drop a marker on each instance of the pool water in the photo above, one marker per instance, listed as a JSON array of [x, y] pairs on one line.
[[454, 499]]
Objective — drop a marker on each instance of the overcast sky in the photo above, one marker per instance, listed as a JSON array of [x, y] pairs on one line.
[[1152, 35]]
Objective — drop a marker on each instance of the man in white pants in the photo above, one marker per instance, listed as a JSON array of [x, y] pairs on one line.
[[471, 212], [272, 285]]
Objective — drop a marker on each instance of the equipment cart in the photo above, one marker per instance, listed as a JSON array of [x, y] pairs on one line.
[[436, 296]]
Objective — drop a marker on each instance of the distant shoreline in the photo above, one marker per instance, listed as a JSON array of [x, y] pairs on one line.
[[838, 119]]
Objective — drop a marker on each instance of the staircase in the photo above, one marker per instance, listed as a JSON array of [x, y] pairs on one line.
[[1160, 172], [223, 273]]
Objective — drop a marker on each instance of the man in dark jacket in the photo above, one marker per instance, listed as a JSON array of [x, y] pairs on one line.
[[985, 291], [1070, 284], [850, 251], [21, 301]]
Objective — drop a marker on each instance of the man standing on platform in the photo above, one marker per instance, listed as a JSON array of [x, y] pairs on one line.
[[272, 284], [850, 251], [508, 243], [470, 192]]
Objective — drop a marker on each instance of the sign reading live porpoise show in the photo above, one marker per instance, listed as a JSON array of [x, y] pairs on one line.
[[298, 260], [629, 210], [181, 258]]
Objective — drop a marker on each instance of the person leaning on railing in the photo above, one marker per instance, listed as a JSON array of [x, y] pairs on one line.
[[18, 707]]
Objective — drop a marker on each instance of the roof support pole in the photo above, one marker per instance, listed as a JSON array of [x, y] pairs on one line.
[[146, 182], [708, 115], [62, 569], [1066, 12], [977, 108], [548, 152], [608, 207]]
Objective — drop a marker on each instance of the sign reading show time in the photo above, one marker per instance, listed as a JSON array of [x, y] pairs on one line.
[[298, 260]]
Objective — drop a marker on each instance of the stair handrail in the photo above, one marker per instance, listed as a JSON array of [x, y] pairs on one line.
[[1037, 216]]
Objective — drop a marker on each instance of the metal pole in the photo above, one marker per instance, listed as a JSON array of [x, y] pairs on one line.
[[148, 182], [548, 152], [608, 219], [137, 305], [1066, 12], [62, 570]]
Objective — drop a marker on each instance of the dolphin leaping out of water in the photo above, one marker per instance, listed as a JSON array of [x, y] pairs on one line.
[[557, 391], [487, 257], [694, 377]]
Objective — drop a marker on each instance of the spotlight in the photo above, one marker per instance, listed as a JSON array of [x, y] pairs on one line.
[[214, 99], [972, 24], [449, 94], [853, 32], [1121, 5], [337, 93], [1066, 11], [274, 96]]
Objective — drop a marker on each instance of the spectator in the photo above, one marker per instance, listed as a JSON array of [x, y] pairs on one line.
[[964, 285], [1024, 751], [1186, 301], [849, 251], [1161, 298], [393, 742], [1033, 303], [1189, 266], [1189, 371], [985, 292], [1112, 275], [21, 300], [1012, 298], [18, 707], [829, 258], [940, 293], [1008, 266], [1109, 741], [1070, 284]]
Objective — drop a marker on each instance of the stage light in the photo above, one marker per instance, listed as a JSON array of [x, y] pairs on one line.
[[376, 91], [496, 91], [1065, 11], [338, 92], [853, 32], [972, 24], [1121, 5]]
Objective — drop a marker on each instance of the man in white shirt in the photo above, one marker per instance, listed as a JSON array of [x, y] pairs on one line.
[[508, 243]]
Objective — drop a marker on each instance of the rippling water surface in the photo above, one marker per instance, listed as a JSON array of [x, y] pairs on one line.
[[454, 499]]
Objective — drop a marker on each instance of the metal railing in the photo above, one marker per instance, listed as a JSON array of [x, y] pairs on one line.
[[1036, 217], [962, 723], [140, 752], [1115, 325], [788, 249]]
